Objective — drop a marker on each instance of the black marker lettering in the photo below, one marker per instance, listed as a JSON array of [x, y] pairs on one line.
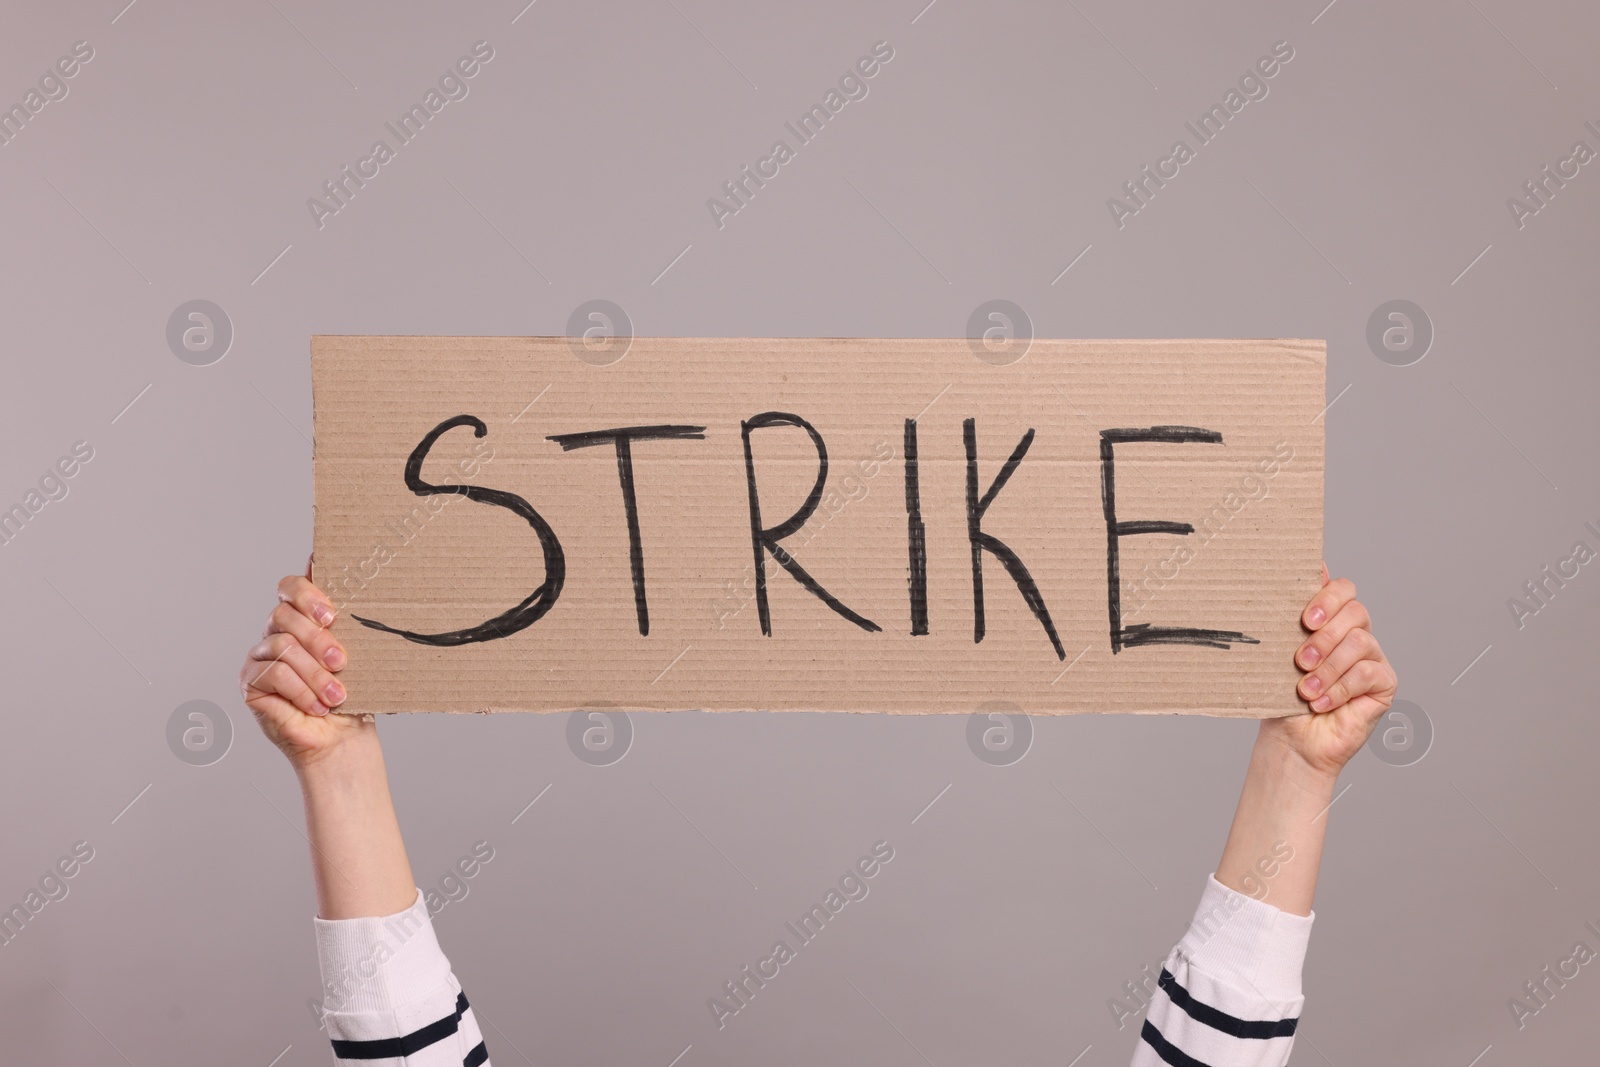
[[765, 539], [916, 537], [623, 438], [981, 542], [540, 601], [1145, 634]]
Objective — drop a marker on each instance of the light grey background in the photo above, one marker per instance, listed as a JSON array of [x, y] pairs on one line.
[[978, 167]]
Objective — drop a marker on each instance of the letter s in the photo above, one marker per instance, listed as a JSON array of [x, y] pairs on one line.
[[537, 603], [83, 50], [883, 50], [1283, 50], [884, 851]]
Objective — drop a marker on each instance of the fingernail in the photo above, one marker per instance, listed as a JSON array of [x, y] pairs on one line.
[[322, 613], [333, 694], [1310, 656], [1320, 704], [1315, 616], [1313, 685], [334, 657], [318, 709]]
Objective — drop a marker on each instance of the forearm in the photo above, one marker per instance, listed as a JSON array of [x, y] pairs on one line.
[[358, 858], [1275, 844], [1229, 993]]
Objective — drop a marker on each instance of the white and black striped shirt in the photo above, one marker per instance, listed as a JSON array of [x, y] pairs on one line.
[[389, 997], [1229, 993]]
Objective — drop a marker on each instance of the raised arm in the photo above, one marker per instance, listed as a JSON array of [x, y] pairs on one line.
[[388, 992], [1229, 994]]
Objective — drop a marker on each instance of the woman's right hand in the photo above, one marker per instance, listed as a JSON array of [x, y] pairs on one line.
[[288, 678]]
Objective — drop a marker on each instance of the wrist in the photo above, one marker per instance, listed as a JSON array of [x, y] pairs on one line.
[[1291, 773], [351, 764]]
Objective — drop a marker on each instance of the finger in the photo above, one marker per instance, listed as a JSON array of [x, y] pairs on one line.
[[306, 597], [258, 685], [1358, 644], [284, 648], [1368, 711], [274, 709], [287, 619], [1367, 676], [1326, 604], [1352, 616], [276, 678]]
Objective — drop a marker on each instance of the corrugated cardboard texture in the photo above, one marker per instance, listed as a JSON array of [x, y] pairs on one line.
[[447, 562]]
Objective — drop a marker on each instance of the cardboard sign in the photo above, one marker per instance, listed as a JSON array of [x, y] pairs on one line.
[[506, 524]]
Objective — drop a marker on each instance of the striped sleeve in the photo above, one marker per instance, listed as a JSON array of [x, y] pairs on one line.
[[389, 998], [1229, 994]]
